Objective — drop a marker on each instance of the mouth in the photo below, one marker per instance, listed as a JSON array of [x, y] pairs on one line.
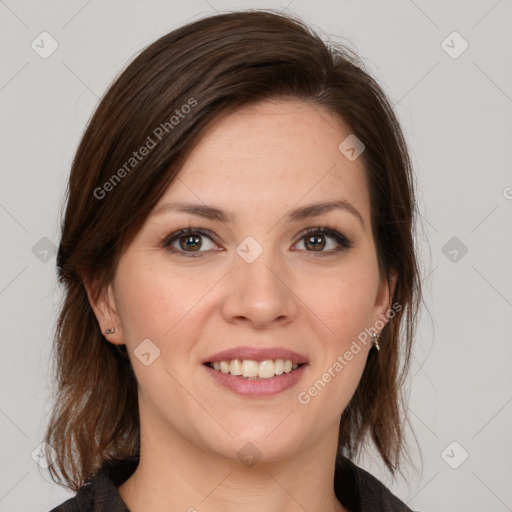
[[256, 379], [255, 370]]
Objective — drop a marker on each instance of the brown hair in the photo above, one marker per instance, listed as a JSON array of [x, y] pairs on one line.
[[165, 100]]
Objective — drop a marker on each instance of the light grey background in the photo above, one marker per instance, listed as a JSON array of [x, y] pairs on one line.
[[456, 114]]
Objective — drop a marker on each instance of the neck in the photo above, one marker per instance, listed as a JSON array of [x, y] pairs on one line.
[[179, 475]]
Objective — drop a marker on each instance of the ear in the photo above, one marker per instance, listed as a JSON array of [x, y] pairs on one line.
[[103, 304], [384, 297]]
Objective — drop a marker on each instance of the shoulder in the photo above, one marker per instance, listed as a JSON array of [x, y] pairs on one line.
[[83, 501], [368, 493], [99, 493]]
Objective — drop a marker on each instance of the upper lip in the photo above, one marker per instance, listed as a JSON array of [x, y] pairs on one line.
[[256, 354]]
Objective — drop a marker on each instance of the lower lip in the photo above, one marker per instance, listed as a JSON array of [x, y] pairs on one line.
[[257, 388]]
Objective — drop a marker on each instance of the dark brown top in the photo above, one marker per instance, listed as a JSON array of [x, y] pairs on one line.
[[356, 489]]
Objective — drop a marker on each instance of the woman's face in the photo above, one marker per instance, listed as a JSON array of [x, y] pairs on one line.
[[249, 282]]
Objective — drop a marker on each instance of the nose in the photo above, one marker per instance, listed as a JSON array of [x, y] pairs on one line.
[[260, 293]]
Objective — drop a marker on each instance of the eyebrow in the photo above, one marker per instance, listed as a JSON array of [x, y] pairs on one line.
[[299, 214]]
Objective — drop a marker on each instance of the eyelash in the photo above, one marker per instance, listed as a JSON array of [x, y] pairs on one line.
[[343, 241]]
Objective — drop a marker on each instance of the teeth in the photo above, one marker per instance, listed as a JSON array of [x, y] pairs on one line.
[[235, 368], [266, 369], [255, 370], [249, 368]]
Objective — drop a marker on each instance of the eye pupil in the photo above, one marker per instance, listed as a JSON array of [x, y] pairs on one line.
[[190, 242], [311, 240]]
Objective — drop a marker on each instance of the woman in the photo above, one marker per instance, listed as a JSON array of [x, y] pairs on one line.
[[238, 257]]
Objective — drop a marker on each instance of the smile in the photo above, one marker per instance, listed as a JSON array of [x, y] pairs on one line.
[[249, 369]]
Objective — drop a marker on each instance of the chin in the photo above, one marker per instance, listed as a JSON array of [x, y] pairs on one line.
[[257, 441]]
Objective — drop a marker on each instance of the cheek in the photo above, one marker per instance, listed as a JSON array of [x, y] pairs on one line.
[[154, 301], [146, 304], [344, 301]]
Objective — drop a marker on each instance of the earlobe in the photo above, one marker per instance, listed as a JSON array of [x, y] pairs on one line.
[[103, 304], [385, 296]]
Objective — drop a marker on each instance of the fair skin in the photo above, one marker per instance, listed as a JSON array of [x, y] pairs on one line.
[[257, 164]]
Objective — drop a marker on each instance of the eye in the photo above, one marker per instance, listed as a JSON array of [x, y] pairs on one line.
[[189, 241], [314, 240]]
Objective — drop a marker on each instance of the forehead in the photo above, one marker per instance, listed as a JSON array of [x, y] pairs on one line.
[[288, 129], [275, 153]]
